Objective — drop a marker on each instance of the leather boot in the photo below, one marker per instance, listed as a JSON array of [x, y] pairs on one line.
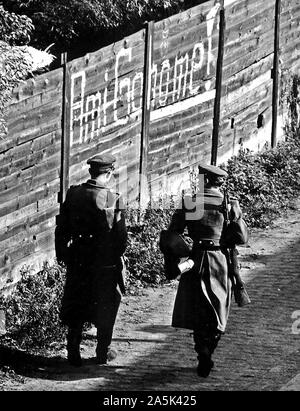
[[103, 351], [73, 346], [205, 363], [105, 354], [205, 345]]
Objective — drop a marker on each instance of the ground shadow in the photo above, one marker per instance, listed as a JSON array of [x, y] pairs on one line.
[[24, 363], [157, 329]]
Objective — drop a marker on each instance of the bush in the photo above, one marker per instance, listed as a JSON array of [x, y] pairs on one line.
[[32, 311], [14, 29], [145, 260], [72, 25], [14, 66], [266, 183]]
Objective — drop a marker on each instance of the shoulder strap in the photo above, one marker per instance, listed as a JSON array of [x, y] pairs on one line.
[[225, 207]]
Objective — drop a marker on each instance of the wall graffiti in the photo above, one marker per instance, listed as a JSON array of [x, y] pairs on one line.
[[172, 80]]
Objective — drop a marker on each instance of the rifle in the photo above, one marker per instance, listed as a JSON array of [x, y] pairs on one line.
[[240, 294]]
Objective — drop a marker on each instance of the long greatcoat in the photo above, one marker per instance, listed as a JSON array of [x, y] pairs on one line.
[[204, 293], [90, 239]]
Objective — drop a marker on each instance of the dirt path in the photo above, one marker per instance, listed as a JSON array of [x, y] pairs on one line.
[[260, 350]]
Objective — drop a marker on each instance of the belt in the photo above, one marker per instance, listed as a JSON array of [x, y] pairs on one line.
[[207, 245], [85, 237], [82, 236]]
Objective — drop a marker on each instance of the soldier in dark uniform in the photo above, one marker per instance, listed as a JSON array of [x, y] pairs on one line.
[[204, 293], [90, 239]]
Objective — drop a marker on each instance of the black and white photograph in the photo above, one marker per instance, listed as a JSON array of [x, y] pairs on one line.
[[149, 198]]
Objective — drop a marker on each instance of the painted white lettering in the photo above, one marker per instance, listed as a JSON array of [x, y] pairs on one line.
[[174, 79], [165, 70], [165, 40], [92, 111], [210, 19], [106, 105], [154, 74], [181, 65], [197, 62], [77, 106], [124, 83], [138, 78]]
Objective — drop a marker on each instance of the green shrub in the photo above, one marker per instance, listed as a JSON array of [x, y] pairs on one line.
[[266, 183], [72, 25], [15, 30], [145, 261], [32, 311]]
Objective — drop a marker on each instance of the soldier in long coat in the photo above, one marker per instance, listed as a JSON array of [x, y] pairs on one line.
[[90, 239], [204, 293]]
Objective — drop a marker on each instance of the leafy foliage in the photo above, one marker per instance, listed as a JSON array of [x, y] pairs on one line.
[[32, 311], [145, 261], [14, 29], [74, 24], [14, 65], [266, 183]]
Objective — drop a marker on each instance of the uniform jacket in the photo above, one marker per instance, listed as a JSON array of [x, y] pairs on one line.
[[204, 293], [90, 239]]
